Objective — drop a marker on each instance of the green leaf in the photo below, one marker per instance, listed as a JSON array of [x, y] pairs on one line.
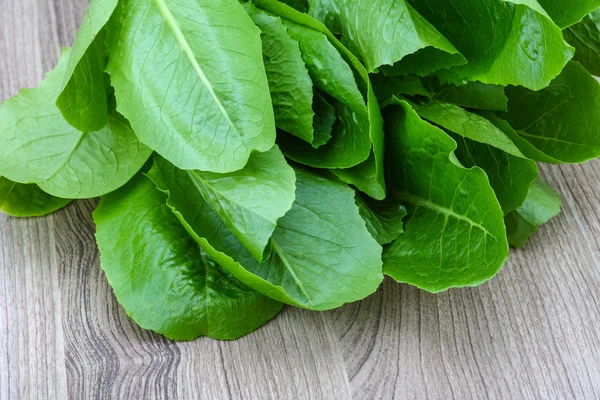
[[322, 254], [390, 33], [38, 146], [82, 100], [455, 234], [383, 218], [326, 66], [251, 200], [524, 146], [350, 143], [189, 76], [482, 144], [368, 176], [510, 176], [324, 120], [566, 13], [326, 12], [542, 204], [501, 39], [299, 108], [162, 278], [466, 124], [300, 5], [409, 85], [561, 121], [473, 95], [27, 200], [289, 82], [585, 37]]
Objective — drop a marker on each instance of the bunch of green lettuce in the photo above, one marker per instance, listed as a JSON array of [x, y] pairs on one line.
[[254, 154]]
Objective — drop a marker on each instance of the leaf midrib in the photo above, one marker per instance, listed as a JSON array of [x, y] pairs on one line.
[[198, 179], [552, 139], [170, 19], [68, 158], [419, 201], [279, 251]]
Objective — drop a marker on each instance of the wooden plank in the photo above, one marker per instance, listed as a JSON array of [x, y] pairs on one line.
[[295, 356], [107, 356], [32, 361], [531, 333]]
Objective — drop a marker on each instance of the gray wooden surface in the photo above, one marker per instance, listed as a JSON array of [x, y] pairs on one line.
[[532, 333]]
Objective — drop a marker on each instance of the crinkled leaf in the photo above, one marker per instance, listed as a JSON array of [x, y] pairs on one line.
[[326, 66], [289, 82], [251, 200], [350, 143], [473, 95], [568, 12], [510, 176], [454, 235], [82, 99], [384, 219], [524, 146], [189, 76], [367, 176], [322, 254], [27, 200], [331, 74], [542, 204], [163, 278], [38, 146], [562, 121], [585, 37], [505, 42], [326, 12], [389, 33], [482, 144], [466, 124], [300, 108]]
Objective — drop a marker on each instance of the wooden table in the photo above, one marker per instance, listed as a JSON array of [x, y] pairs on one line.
[[531, 333]]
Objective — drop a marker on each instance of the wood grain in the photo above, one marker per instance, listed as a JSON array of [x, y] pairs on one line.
[[32, 361], [531, 333]]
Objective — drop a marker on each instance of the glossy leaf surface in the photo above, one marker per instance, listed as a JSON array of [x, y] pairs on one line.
[[506, 42], [585, 37], [38, 146], [454, 235], [189, 76], [163, 278], [27, 200], [322, 253], [251, 200], [83, 101], [562, 120], [389, 33], [542, 204]]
